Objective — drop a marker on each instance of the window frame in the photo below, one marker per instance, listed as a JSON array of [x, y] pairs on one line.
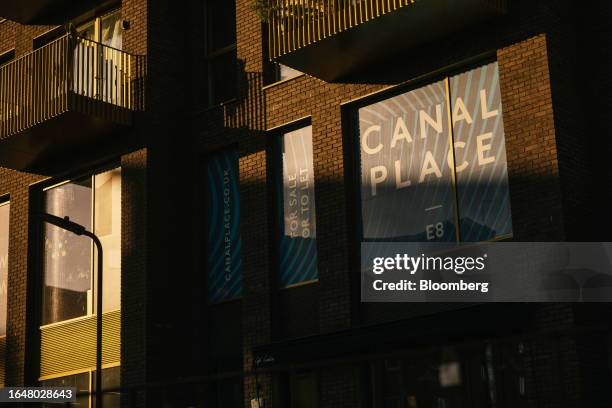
[[275, 181], [213, 54], [91, 378], [6, 57], [96, 20], [353, 160], [39, 239]]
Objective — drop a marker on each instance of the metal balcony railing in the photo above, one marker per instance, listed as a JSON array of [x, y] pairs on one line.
[[70, 73], [293, 24]]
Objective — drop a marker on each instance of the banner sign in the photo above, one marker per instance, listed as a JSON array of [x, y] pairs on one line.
[[480, 155], [223, 220], [408, 168], [486, 272], [298, 247]]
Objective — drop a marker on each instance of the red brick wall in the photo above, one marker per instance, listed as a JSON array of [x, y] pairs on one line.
[[16, 186], [134, 268], [159, 183], [531, 144], [522, 45]]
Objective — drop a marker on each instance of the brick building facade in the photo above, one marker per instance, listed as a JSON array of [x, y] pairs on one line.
[[314, 344]]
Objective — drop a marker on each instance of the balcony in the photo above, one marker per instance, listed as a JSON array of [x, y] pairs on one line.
[[45, 12], [334, 39], [71, 98]]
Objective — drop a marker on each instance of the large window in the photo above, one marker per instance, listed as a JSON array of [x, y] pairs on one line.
[[298, 389], [84, 383], [68, 259], [478, 375], [4, 241], [296, 202], [433, 162], [222, 63]]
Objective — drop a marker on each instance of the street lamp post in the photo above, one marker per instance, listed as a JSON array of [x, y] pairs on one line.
[[66, 224]]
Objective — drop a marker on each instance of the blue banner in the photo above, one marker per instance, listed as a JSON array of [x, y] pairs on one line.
[[480, 155], [433, 163], [298, 245], [223, 216], [406, 183]]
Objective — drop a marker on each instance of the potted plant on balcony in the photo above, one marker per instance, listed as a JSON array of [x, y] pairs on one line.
[[262, 8], [284, 9]]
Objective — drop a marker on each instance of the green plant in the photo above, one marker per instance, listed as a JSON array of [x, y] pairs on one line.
[[262, 8]]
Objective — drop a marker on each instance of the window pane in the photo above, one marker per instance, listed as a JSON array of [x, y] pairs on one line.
[[221, 23], [67, 257], [88, 31], [480, 155], [285, 72], [78, 381], [304, 391], [111, 381], [6, 57], [112, 78], [4, 240], [227, 394], [84, 64], [298, 247], [108, 229], [406, 183], [223, 223], [111, 32], [222, 78]]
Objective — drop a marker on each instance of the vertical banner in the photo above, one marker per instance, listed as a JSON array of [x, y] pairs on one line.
[[480, 155], [223, 221], [406, 168], [4, 240], [298, 247]]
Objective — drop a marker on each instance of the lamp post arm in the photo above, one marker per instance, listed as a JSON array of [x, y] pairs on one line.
[[77, 229], [99, 297]]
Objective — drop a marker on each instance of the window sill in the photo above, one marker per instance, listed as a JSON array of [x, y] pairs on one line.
[[75, 319], [277, 83]]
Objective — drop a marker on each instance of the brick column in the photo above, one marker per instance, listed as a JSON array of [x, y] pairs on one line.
[[133, 271], [15, 184], [255, 266]]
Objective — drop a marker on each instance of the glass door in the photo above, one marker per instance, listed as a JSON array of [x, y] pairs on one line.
[[113, 65], [85, 61], [99, 64]]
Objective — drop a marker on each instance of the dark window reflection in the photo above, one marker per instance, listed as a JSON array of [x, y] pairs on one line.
[[79, 381], [111, 381], [221, 22], [452, 377], [84, 383], [222, 77], [221, 51], [227, 394], [305, 390], [296, 390]]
